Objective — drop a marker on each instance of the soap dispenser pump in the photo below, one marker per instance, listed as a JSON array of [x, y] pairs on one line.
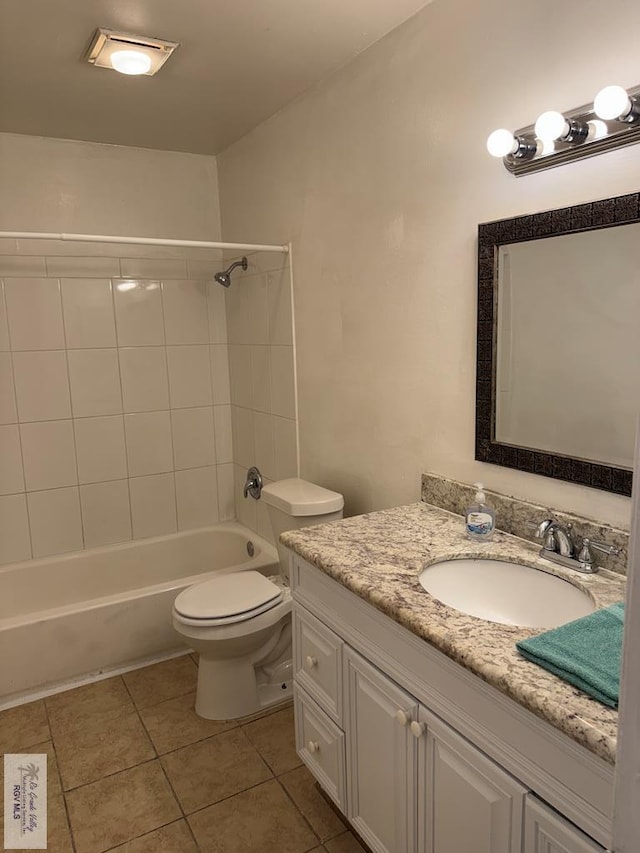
[[480, 519]]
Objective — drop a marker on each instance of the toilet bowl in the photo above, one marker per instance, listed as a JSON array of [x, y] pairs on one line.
[[240, 623]]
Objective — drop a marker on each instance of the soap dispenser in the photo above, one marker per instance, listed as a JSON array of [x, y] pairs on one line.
[[480, 519]]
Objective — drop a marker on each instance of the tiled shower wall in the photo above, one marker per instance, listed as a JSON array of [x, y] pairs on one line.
[[115, 416], [262, 373]]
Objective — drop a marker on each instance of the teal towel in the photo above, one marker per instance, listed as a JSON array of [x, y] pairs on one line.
[[586, 653]]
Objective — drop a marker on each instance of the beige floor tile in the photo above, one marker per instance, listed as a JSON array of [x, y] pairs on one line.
[[86, 755], [174, 723], [346, 843], [120, 808], [160, 681], [89, 705], [274, 738], [173, 838], [301, 787], [23, 726], [212, 769], [261, 820]]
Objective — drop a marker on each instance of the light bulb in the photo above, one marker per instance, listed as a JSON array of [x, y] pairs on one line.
[[501, 142], [612, 102], [130, 61], [597, 129], [550, 125]]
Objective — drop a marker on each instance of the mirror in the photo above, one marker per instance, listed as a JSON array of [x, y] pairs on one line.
[[558, 354]]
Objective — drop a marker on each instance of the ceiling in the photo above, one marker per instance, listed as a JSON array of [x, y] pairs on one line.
[[239, 61]]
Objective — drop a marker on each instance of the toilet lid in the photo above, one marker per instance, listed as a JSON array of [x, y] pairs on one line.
[[229, 598]]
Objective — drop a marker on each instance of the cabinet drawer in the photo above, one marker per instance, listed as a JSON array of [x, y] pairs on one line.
[[320, 744], [317, 654], [547, 831]]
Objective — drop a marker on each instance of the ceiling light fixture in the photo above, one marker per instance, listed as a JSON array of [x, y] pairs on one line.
[[128, 54], [611, 121]]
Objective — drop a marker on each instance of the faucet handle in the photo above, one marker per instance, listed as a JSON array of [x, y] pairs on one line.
[[609, 550], [253, 483]]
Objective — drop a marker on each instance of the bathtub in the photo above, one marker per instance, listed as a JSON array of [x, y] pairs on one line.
[[71, 617]]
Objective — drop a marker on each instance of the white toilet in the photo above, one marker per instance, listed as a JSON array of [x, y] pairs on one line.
[[240, 623]]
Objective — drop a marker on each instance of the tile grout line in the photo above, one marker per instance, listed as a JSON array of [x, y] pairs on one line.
[[62, 790]]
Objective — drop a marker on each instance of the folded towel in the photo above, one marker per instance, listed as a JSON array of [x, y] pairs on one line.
[[586, 653]]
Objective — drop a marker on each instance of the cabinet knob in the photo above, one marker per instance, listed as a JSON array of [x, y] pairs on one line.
[[402, 717], [311, 662], [313, 746], [417, 729]]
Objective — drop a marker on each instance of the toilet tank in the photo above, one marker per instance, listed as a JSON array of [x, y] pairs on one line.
[[296, 503]]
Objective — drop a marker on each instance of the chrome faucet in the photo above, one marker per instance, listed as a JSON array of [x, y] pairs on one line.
[[560, 547], [253, 483]]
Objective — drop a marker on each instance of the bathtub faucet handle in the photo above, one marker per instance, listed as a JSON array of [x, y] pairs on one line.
[[253, 483]]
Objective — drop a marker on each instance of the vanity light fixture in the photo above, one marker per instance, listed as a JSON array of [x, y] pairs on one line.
[[128, 54], [613, 120]]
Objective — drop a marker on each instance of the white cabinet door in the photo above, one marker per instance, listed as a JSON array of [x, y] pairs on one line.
[[547, 832], [381, 758], [467, 803]]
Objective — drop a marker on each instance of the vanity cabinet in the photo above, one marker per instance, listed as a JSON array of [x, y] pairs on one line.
[[420, 755], [547, 832]]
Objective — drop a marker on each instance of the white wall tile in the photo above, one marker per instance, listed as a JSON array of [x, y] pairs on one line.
[[189, 376], [261, 378], [87, 306], [282, 382], [28, 265], [94, 377], [138, 307], [263, 524], [217, 313], [258, 297], [220, 373], [34, 311], [42, 385], [238, 315], [223, 433], [87, 267], [280, 308], [284, 442], [226, 488], [205, 269], [15, 542], [264, 444], [106, 516], [8, 410], [100, 449], [243, 441], [196, 497], [185, 312], [11, 477], [153, 268], [56, 526], [145, 385], [148, 436], [49, 453], [4, 328], [240, 375], [193, 438], [153, 505]]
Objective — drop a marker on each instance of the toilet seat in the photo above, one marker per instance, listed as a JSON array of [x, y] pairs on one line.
[[228, 599]]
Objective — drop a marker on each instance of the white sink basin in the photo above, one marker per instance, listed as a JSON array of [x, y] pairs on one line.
[[506, 592]]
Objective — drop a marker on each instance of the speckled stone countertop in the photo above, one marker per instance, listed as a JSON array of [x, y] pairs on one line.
[[379, 556]]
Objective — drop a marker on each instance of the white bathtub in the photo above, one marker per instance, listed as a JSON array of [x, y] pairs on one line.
[[77, 615]]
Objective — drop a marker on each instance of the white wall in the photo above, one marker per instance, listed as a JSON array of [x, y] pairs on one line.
[[379, 177], [82, 187]]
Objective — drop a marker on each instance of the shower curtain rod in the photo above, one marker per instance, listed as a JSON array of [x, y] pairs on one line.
[[142, 241]]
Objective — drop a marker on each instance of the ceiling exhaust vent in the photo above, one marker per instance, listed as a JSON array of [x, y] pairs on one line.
[[128, 53]]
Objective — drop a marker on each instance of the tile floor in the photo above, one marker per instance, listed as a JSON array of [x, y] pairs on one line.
[[133, 769]]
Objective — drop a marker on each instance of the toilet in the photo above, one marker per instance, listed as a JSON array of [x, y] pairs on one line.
[[240, 623]]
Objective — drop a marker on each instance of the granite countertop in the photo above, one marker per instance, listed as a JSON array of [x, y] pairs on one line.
[[379, 556]]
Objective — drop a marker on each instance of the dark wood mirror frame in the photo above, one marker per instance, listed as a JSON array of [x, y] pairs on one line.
[[491, 235]]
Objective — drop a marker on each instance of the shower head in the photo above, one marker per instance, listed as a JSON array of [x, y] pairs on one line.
[[224, 278]]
